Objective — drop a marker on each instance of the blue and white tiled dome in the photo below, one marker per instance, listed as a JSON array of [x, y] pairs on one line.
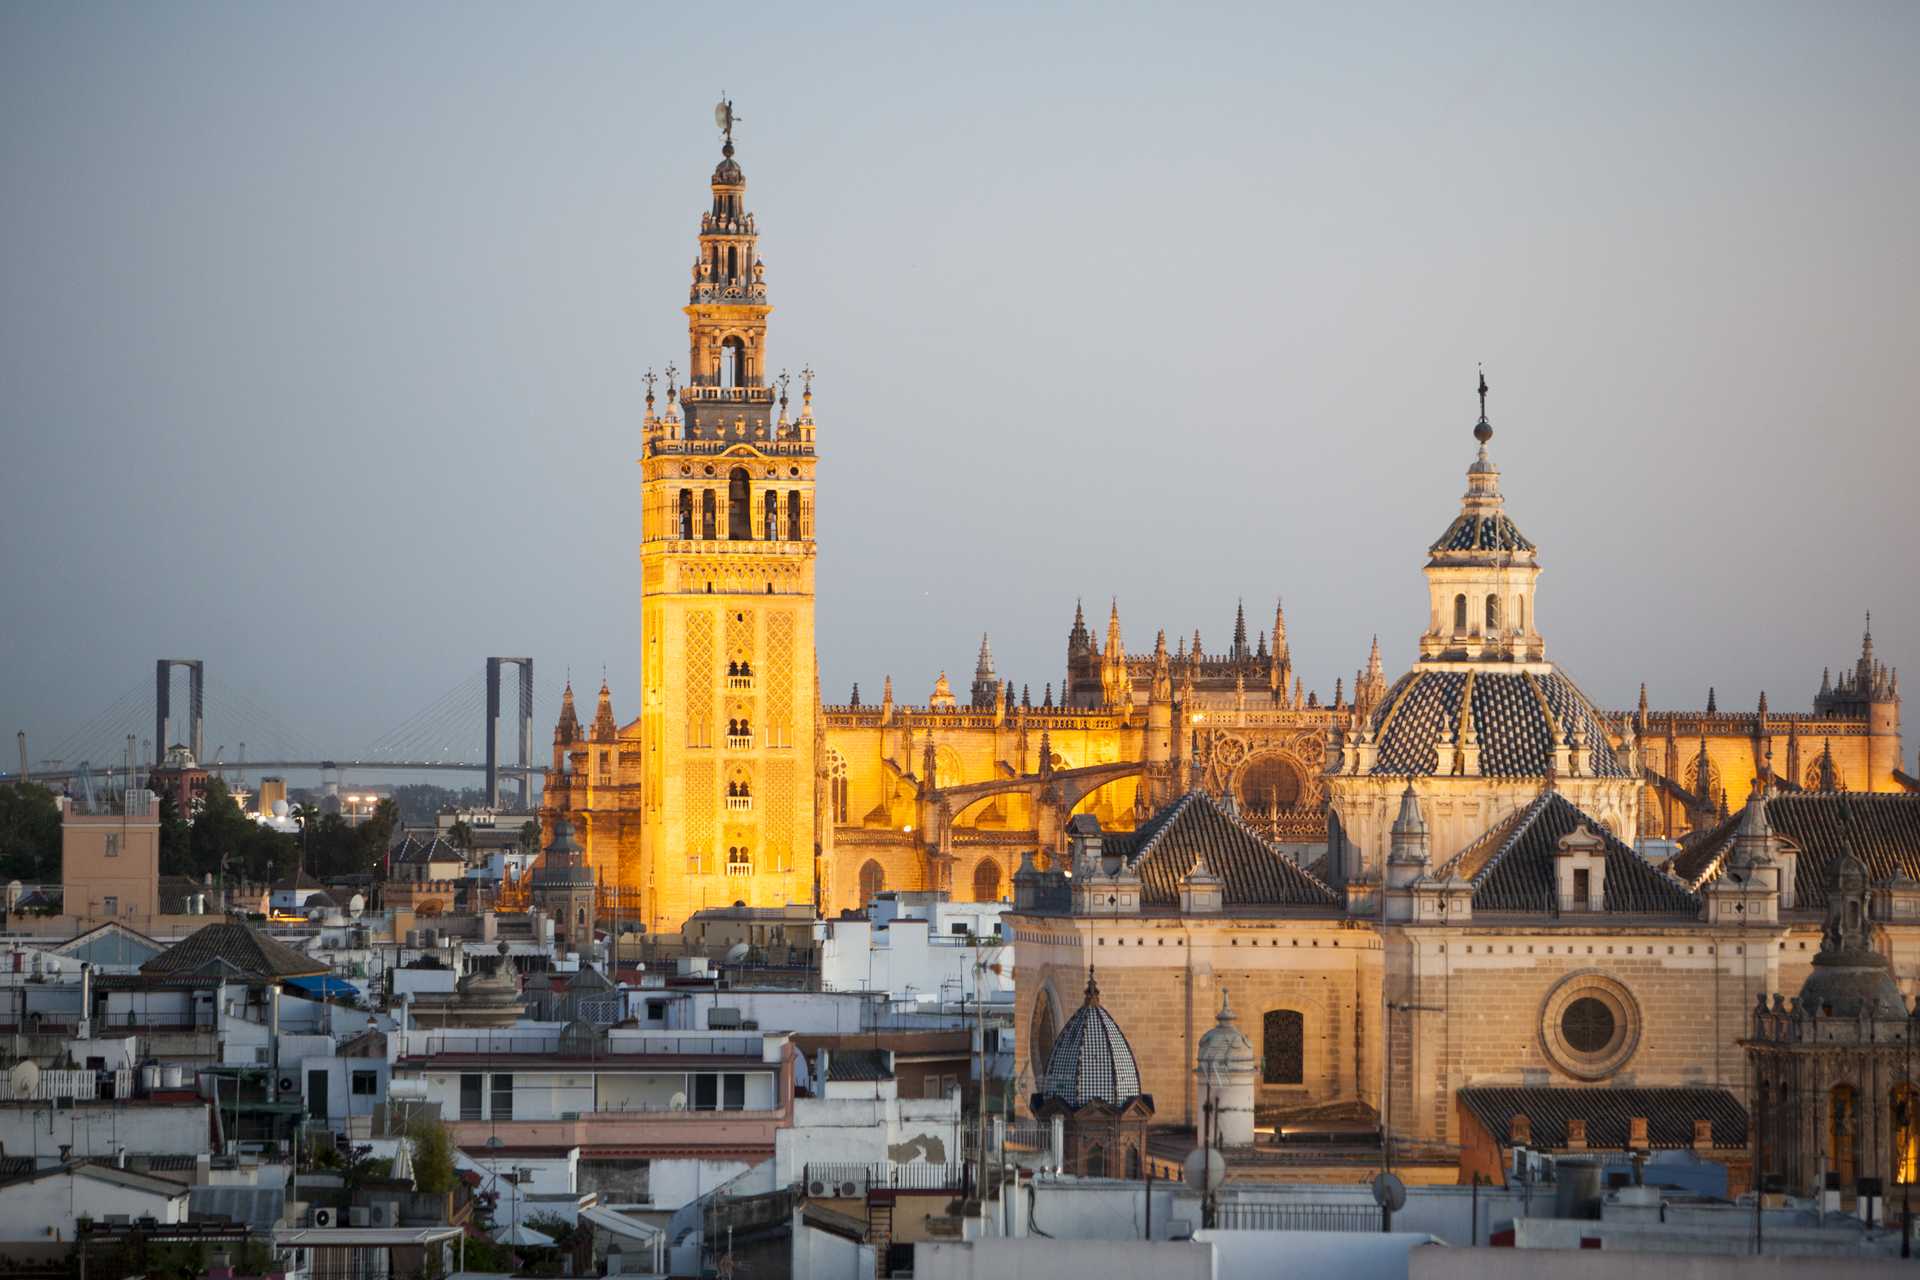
[[1518, 716], [1091, 1060]]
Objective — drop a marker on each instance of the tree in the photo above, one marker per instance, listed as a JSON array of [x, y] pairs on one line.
[[29, 834], [460, 835], [376, 833], [530, 836], [432, 1155], [176, 838]]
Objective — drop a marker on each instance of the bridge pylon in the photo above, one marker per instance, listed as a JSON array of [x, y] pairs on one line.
[[525, 718], [163, 704]]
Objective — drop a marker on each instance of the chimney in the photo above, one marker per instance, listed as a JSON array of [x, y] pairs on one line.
[[1703, 1136], [1576, 1135], [1519, 1132], [1637, 1134]]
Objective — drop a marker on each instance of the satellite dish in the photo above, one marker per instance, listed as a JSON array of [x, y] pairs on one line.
[[1389, 1192], [24, 1078], [356, 906], [677, 1103], [1205, 1169]]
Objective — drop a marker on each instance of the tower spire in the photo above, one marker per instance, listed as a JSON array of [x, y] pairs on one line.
[[1240, 632]]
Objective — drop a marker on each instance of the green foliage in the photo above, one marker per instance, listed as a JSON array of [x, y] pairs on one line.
[[486, 1255], [420, 802], [29, 834], [223, 841], [432, 1155], [133, 1256], [176, 838], [460, 835], [530, 836]]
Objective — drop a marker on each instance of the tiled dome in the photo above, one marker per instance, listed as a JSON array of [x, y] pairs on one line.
[[1516, 715], [1091, 1060]]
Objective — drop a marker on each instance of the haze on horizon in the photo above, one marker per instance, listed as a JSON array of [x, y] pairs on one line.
[[323, 332]]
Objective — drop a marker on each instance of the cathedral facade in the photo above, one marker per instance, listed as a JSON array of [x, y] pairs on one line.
[[734, 781]]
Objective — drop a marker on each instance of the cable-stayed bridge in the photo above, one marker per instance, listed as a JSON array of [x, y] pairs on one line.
[[460, 731]]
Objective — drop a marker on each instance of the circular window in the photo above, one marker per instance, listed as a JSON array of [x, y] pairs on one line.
[[1587, 1025], [1590, 1025]]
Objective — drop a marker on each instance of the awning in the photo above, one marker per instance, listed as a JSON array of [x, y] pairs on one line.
[[323, 986], [619, 1224]]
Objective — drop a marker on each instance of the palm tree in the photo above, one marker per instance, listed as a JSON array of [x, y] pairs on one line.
[[460, 835]]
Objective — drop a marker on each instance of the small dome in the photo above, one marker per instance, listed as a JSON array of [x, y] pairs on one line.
[[1091, 1059], [1848, 976], [727, 173], [1224, 1049]]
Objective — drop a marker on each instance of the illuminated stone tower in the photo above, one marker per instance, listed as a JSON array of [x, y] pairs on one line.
[[726, 557]]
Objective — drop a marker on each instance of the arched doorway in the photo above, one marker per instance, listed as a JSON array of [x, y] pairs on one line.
[[986, 881], [739, 507], [1843, 1124], [873, 879]]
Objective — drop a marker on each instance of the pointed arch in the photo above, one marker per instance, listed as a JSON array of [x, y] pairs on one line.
[[873, 881], [986, 881], [837, 785]]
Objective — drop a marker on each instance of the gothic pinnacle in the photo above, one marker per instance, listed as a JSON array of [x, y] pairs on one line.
[[1240, 630]]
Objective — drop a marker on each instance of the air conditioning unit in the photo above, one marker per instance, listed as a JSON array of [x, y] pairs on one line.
[[324, 1217], [386, 1214], [287, 1084], [358, 1216], [848, 1190], [817, 1189]]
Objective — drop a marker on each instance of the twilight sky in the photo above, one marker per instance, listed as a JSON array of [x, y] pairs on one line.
[[322, 330]]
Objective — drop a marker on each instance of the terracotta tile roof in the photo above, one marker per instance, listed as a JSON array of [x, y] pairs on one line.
[[1252, 872], [1881, 828], [858, 1064], [1515, 873], [1669, 1113], [232, 950]]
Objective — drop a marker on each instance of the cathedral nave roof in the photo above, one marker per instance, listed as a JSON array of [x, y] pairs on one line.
[[1511, 867], [1882, 829], [1254, 873]]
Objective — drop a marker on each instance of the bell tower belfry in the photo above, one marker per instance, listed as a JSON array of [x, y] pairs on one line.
[[726, 570]]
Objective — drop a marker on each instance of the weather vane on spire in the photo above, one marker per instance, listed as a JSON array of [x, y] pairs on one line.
[[724, 119], [1483, 430]]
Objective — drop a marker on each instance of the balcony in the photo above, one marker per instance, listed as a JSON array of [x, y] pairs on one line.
[[739, 742], [739, 804], [740, 684]]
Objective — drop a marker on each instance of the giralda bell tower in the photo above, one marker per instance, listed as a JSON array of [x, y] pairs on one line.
[[726, 571]]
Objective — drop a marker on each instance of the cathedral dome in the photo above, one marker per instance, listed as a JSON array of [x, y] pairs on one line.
[[1849, 977], [1091, 1060], [1517, 717]]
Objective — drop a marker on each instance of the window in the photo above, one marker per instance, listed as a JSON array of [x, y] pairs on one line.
[[1906, 1132], [1283, 1046], [739, 509], [111, 906], [738, 861], [1588, 1024], [1096, 1161], [1493, 613], [873, 879], [113, 844], [986, 881], [470, 1097], [686, 513], [1133, 1162], [365, 1084], [1044, 1029], [733, 352], [931, 1087], [502, 1096], [656, 1011], [793, 515], [707, 515], [706, 1093], [772, 517], [1459, 613], [837, 784], [733, 1092], [1582, 888]]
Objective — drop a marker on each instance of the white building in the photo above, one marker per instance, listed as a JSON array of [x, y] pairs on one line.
[[919, 945], [42, 1206]]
